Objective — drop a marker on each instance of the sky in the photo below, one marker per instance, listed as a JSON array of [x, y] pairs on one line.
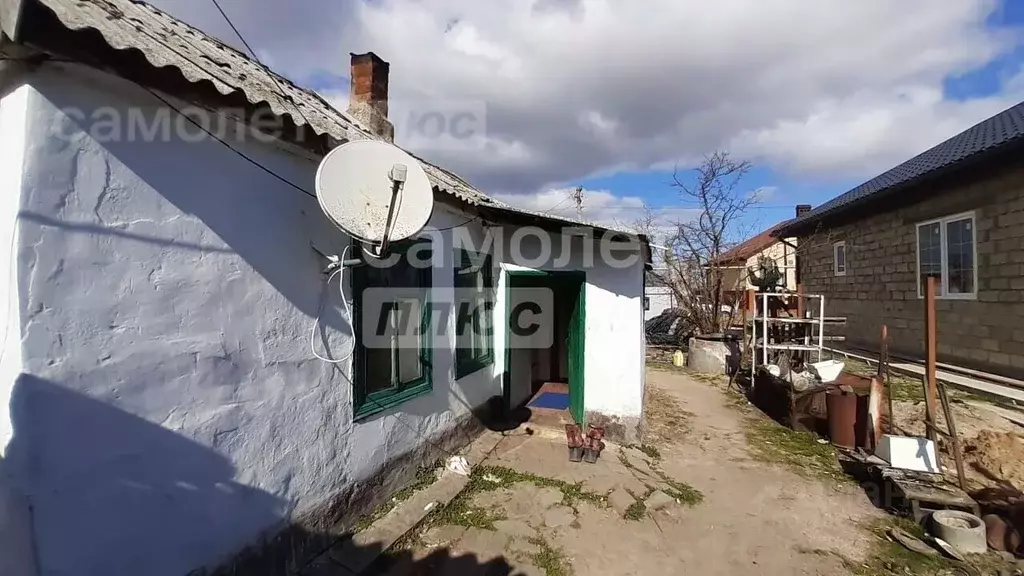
[[616, 97]]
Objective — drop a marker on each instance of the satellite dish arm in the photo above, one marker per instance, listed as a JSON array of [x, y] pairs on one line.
[[398, 174]]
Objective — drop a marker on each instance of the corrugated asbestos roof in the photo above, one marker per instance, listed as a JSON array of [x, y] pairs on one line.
[[170, 44], [982, 138]]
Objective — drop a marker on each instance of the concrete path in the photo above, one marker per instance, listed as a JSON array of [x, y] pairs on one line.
[[696, 504]]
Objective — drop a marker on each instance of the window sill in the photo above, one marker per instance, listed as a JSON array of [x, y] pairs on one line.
[[970, 297], [472, 366], [369, 407]]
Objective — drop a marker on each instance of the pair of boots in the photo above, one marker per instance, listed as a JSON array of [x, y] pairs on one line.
[[582, 447]]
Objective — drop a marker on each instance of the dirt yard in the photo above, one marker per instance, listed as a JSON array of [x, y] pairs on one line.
[[993, 446], [695, 500]]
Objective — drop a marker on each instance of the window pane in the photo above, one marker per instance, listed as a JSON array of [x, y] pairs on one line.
[[395, 355], [472, 285], [409, 365], [409, 317], [378, 369], [929, 253], [960, 256], [841, 258]]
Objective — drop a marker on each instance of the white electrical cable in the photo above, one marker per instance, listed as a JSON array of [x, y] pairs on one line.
[[348, 311]]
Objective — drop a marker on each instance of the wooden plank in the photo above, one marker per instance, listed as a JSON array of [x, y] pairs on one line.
[[930, 393]]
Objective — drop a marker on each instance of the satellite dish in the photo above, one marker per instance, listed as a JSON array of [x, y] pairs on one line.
[[375, 192]]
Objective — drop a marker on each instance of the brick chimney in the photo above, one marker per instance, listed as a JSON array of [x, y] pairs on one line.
[[368, 96], [802, 209]]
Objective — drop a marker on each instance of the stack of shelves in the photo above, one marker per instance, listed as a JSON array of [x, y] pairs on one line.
[[773, 331]]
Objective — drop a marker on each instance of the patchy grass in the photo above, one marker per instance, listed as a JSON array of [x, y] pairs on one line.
[[461, 512], [636, 511], [551, 560], [800, 451], [889, 558], [424, 477], [647, 449], [680, 491], [572, 493], [665, 418], [904, 388]]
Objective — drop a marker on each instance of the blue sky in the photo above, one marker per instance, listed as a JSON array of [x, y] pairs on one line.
[[787, 191]]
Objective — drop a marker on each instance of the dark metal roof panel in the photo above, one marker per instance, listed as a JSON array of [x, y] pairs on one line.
[[986, 136]]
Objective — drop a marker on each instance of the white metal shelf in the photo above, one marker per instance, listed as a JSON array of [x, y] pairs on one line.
[[806, 346]]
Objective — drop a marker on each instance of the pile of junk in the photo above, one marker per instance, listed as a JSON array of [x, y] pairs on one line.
[[903, 474]]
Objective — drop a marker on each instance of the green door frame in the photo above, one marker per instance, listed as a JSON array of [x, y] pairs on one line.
[[577, 328]]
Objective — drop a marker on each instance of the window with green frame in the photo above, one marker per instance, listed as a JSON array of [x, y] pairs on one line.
[[473, 313], [392, 364]]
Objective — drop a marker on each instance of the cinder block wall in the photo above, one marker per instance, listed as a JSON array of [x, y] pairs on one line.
[[880, 283]]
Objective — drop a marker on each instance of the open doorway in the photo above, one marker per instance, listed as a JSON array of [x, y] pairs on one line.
[[545, 319]]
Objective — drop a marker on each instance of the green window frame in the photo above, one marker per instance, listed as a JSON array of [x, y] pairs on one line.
[[387, 377], [474, 289]]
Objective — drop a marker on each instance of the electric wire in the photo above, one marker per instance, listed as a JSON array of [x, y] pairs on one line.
[[320, 309], [229, 146], [267, 70]]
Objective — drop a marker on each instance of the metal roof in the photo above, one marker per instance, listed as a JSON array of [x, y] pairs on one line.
[[172, 46], [981, 139]]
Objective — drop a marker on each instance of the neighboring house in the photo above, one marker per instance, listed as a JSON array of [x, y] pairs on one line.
[[658, 297], [162, 408], [736, 262], [955, 212]]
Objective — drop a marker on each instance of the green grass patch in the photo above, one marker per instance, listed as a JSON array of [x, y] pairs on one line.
[[572, 493], [682, 492], [889, 558], [424, 477], [904, 388], [636, 511], [800, 451], [461, 512], [551, 560], [647, 449]]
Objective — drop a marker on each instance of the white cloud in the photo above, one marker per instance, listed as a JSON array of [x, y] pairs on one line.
[[599, 207], [575, 87]]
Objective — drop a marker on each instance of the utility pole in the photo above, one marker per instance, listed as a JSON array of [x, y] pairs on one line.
[[578, 197]]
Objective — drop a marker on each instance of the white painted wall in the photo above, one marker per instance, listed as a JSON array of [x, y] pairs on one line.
[[661, 299], [614, 345], [16, 546], [170, 410]]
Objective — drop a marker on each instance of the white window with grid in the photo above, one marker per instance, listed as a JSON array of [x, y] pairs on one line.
[[947, 249]]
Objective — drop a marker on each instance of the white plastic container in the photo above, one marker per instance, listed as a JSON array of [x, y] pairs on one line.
[[908, 452], [828, 370]]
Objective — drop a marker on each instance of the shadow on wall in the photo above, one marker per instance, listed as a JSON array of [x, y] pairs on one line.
[[264, 221], [112, 493]]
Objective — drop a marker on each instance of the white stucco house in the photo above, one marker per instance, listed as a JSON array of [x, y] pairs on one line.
[[163, 408], [658, 297]]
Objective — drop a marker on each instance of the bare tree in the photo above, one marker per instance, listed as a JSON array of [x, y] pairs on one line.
[[691, 258]]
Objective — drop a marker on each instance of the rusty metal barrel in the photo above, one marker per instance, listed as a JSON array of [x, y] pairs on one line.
[[842, 418]]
